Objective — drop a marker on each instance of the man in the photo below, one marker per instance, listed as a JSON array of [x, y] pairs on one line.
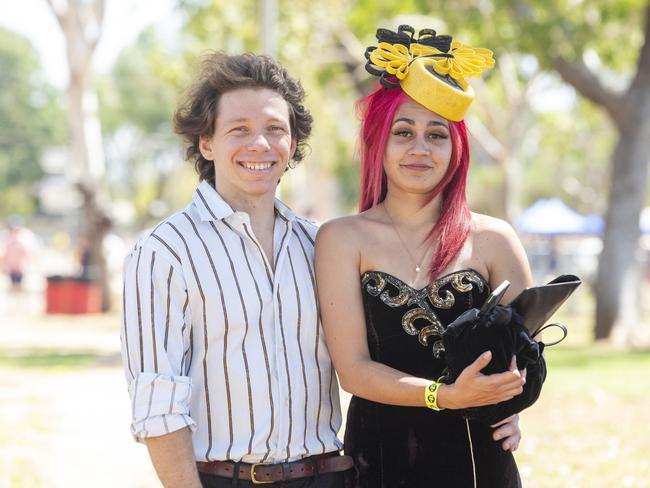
[[230, 380], [221, 342]]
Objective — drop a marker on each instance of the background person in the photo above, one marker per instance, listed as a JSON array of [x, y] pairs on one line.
[[19, 246]]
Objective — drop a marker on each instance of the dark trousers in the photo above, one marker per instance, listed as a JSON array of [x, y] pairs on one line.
[[327, 480]]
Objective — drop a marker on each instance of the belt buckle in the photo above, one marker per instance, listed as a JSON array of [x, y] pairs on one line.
[[254, 480]]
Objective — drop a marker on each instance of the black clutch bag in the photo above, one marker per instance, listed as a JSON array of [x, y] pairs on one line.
[[507, 331], [537, 304]]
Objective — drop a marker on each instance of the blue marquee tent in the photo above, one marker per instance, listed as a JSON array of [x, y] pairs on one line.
[[552, 217]]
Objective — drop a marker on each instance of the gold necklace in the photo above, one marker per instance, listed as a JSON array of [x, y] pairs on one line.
[[413, 261]]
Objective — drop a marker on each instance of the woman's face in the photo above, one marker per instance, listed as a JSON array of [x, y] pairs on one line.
[[418, 149]]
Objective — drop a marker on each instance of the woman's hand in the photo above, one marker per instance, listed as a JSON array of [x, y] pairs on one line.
[[508, 430], [474, 389]]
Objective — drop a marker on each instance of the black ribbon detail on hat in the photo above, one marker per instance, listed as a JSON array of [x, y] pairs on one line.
[[404, 36]]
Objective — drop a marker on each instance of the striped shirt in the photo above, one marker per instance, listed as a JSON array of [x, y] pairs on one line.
[[215, 339]]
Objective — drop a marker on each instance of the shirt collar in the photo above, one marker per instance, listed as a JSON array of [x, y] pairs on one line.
[[284, 211], [212, 206]]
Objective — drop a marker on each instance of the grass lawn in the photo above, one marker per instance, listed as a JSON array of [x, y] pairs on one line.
[[64, 411], [64, 408], [591, 426]]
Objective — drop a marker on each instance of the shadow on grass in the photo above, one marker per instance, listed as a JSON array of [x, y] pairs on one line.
[[45, 358]]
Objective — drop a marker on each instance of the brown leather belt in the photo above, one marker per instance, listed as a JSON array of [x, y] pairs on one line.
[[261, 473]]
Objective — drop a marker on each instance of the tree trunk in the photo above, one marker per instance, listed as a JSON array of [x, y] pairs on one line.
[[81, 25], [95, 226], [616, 270], [630, 112], [87, 153], [626, 198]]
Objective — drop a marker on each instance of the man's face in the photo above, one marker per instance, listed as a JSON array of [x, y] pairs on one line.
[[251, 145]]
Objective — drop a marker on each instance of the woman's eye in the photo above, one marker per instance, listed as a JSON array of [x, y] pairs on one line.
[[239, 129], [402, 133], [277, 128], [436, 135]]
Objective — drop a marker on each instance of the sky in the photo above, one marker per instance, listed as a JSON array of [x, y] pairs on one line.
[[124, 20]]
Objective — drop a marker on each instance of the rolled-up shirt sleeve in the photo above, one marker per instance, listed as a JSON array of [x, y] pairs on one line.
[[155, 339]]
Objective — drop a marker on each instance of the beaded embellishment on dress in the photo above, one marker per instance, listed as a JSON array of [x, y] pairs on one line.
[[427, 299]]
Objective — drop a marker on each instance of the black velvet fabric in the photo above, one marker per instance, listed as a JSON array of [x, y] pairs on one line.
[[502, 332], [416, 447]]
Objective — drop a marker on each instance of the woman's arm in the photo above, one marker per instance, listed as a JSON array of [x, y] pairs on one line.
[[504, 256], [338, 248]]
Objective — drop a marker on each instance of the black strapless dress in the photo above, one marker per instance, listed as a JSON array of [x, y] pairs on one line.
[[413, 447]]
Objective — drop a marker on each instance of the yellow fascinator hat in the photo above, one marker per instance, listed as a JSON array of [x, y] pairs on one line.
[[431, 69]]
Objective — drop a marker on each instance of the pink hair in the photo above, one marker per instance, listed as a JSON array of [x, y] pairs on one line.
[[377, 111]]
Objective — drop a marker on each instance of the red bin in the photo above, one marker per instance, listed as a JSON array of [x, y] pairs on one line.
[[72, 295]]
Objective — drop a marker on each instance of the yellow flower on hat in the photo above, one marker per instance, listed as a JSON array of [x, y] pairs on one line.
[[394, 58], [418, 50], [464, 62], [460, 62]]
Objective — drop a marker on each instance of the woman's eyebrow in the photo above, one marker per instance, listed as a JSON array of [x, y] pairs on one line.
[[404, 119], [412, 122], [437, 122]]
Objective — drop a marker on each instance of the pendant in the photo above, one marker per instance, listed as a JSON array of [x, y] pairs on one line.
[[417, 268]]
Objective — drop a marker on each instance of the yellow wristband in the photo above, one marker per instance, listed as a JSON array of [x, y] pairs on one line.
[[431, 396]]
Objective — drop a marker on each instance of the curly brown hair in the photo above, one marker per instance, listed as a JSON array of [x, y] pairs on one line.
[[196, 113]]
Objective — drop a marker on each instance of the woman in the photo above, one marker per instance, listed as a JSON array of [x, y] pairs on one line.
[[422, 259]]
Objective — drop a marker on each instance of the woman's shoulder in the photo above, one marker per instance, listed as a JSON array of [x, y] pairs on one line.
[[350, 230], [492, 234], [486, 226], [350, 225], [500, 249]]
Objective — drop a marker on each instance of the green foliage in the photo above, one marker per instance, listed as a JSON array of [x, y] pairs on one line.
[[572, 159], [563, 152], [137, 102], [228, 26], [141, 89], [307, 38], [30, 121], [348, 173], [572, 28]]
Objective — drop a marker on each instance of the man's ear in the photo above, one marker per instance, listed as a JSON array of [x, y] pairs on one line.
[[205, 146], [294, 145]]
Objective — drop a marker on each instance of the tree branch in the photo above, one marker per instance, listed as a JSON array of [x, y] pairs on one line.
[[506, 67], [349, 54], [488, 141], [60, 16], [642, 79], [99, 8], [491, 114], [587, 83]]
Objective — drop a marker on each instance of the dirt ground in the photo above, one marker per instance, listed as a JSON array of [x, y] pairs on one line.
[[65, 413], [64, 407]]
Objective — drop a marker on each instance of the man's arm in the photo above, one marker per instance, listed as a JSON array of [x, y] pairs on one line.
[[173, 459], [508, 432], [154, 340]]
